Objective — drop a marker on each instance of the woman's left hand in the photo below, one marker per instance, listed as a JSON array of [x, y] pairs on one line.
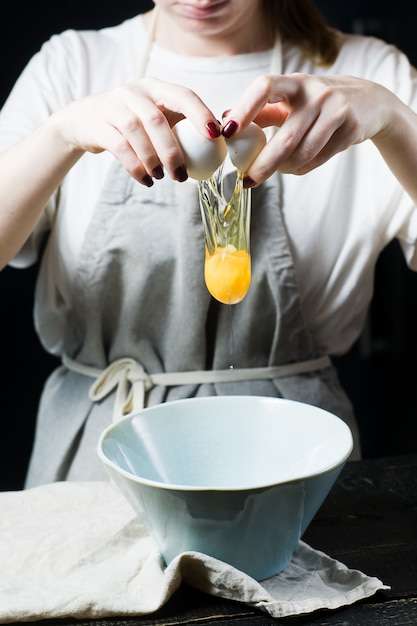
[[316, 117]]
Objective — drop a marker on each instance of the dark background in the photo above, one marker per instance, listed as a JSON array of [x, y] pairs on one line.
[[380, 370]]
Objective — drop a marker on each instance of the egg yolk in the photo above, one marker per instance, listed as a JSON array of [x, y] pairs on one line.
[[227, 273]]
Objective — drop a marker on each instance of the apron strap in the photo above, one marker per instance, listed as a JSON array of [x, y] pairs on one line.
[[130, 380]]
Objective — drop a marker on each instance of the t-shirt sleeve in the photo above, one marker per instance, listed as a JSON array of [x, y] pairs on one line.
[[396, 212], [50, 80]]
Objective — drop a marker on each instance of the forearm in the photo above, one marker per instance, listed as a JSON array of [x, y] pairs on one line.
[[30, 172], [397, 143]]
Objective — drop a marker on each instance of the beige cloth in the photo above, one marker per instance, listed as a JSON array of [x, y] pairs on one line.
[[74, 549]]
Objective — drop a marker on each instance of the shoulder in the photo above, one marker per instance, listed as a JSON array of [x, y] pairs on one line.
[[374, 59], [359, 55], [82, 61], [123, 34], [70, 65]]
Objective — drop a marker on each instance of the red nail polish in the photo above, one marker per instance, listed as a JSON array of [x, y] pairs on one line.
[[181, 174], [248, 182], [147, 180], [213, 130], [158, 172], [229, 129]]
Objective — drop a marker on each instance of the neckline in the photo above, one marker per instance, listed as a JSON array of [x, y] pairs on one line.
[[274, 53]]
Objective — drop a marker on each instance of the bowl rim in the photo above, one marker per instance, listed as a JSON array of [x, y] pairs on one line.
[[108, 463]]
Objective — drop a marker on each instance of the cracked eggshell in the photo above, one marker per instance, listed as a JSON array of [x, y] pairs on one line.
[[202, 155], [245, 147]]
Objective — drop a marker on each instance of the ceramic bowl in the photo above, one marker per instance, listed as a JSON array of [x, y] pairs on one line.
[[236, 477]]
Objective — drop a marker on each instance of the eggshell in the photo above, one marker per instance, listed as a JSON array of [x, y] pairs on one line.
[[202, 155], [245, 147]]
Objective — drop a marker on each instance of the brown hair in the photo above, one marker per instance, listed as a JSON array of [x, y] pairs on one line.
[[301, 23]]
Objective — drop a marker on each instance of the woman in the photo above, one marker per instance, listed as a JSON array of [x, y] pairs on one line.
[[121, 294]]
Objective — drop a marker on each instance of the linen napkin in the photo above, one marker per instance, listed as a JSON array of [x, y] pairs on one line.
[[76, 549]]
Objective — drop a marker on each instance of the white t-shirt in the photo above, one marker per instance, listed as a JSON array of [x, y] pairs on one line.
[[339, 217]]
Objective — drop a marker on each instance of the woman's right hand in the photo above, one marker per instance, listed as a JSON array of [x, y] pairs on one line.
[[134, 122]]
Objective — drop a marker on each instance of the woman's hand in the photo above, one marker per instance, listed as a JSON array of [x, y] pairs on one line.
[[134, 123], [316, 117]]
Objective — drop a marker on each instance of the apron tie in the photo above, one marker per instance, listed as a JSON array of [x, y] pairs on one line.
[[130, 380]]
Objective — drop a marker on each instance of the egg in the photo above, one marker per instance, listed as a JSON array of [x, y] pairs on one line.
[[245, 147], [202, 155]]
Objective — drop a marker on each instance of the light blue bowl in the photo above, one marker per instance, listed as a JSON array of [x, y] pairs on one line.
[[235, 477]]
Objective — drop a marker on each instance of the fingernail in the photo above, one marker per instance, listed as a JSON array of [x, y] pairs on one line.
[[248, 182], [181, 174], [229, 129], [226, 112], [213, 130], [147, 180], [158, 172]]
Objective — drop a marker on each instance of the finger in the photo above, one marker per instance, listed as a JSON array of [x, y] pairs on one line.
[[160, 109], [137, 141], [263, 91], [116, 143], [272, 115], [177, 102], [341, 140], [290, 147], [328, 133], [301, 155], [115, 127]]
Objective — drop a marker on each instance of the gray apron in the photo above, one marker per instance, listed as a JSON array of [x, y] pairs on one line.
[[140, 294]]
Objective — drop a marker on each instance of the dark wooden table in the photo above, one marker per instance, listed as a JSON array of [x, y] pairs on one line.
[[369, 522]]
